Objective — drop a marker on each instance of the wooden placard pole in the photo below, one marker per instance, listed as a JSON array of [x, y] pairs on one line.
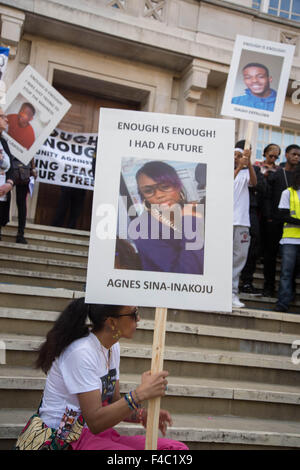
[[156, 366], [249, 133]]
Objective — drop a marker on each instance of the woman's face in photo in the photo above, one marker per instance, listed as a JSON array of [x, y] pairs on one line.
[[158, 193]]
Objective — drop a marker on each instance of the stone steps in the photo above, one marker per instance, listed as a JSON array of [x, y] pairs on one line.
[[198, 430], [42, 265], [41, 278], [193, 395], [12, 228], [21, 350], [53, 238], [232, 380], [42, 252], [39, 298], [267, 302], [38, 322]]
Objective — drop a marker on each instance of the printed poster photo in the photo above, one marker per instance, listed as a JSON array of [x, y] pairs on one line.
[[257, 80], [161, 231], [24, 122], [164, 228], [33, 108]]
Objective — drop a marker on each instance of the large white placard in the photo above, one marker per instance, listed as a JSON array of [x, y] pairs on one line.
[[33, 108], [187, 269], [258, 79]]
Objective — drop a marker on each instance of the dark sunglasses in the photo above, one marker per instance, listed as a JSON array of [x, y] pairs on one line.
[[134, 314]]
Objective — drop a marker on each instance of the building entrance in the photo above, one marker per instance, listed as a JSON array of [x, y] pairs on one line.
[[83, 116]]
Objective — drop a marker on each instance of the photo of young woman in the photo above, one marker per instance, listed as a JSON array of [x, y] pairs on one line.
[[168, 234]]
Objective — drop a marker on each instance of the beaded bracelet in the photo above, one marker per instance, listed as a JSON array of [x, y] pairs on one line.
[[129, 403], [135, 404]]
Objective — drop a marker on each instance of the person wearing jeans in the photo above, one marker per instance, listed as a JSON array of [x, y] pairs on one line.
[[290, 260], [289, 207]]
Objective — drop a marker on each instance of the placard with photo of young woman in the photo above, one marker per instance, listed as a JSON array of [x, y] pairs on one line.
[[161, 232]]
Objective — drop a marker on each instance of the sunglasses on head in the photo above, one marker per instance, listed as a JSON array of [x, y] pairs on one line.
[[134, 314]]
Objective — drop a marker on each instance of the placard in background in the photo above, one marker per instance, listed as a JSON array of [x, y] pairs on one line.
[[244, 95], [33, 108]]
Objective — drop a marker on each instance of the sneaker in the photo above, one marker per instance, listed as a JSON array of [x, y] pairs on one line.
[[21, 239], [236, 302], [250, 289]]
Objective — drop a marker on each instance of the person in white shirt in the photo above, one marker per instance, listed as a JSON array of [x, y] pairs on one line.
[[244, 176], [83, 383]]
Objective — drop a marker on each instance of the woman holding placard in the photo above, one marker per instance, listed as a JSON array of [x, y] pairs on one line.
[[82, 401], [171, 235]]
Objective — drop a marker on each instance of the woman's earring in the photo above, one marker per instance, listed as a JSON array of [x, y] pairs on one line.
[[117, 335]]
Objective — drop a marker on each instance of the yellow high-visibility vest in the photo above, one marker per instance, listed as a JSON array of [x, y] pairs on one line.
[[289, 230]]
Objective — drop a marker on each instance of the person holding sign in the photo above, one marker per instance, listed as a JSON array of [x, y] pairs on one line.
[[171, 235], [82, 389], [258, 93], [244, 176]]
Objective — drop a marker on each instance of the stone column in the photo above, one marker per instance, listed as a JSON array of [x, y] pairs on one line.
[[12, 22], [193, 82]]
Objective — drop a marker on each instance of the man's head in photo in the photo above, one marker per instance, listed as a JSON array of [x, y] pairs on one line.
[[257, 79], [25, 114]]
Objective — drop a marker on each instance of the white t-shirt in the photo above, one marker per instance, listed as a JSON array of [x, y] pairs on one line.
[[80, 368], [4, 167], [284, 203], [241, 199]]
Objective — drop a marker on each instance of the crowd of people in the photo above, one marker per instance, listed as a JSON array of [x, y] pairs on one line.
[[266, 217]]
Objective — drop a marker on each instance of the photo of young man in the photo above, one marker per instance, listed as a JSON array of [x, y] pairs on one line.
[[258, 92], [19, 127]]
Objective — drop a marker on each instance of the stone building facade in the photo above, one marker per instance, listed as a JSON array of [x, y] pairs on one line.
[[166, 56]]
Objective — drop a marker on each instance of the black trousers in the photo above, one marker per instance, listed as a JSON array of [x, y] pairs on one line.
[[273, 234], [70, 205], [21, 195], [250, 266]]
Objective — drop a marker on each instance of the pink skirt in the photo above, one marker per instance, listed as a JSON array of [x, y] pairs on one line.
[[111, 440]]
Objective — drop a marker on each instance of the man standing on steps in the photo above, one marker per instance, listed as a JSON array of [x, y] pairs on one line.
[[277, 182], [289, 209], [244, 176]]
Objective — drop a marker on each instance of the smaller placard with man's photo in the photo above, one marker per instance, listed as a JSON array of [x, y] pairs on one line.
[[257, 81]]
